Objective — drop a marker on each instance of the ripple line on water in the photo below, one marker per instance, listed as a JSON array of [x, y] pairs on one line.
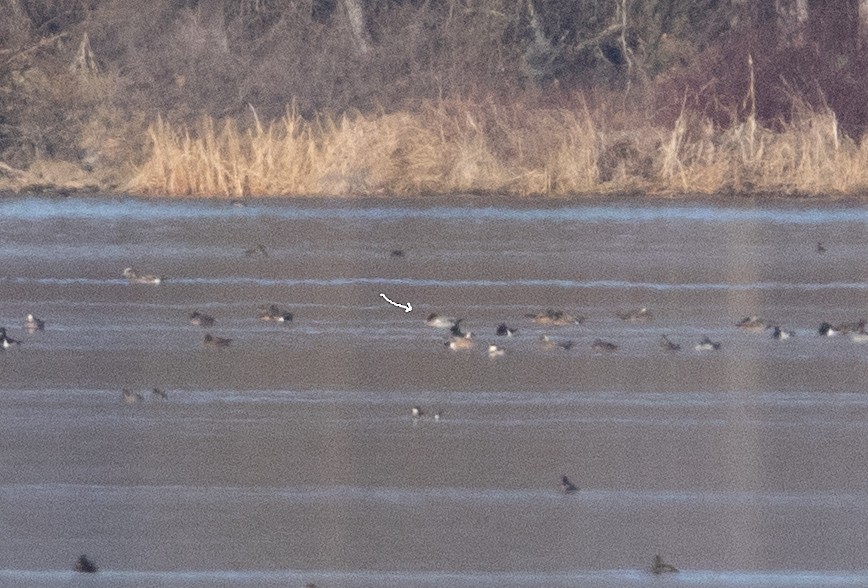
[[433, 497], [465, 283]]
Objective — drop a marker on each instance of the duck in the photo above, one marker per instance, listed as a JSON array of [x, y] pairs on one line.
[[637, 315], [669, 345], [827, 330], [272, 313], [820, 248], [201, 320], [658, 566], [396, 253], [555, 318], [134, 277], [752, 323], [417, 413], [131, 397], [601, 346], [549, 343], [33, 324], [257, 250], [456, 343], [84, 565], [6, 341], [455, 330], [495, 351], [216, 342], [441, 322], [160, 393], [782, 334], [504, 331], [859, 335], [707, 344], [568, 487]]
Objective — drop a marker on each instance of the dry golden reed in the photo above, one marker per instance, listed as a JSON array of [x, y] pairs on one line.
[[458, 147]]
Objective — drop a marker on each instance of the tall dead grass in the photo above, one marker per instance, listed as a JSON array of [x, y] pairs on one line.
[[459, 147]]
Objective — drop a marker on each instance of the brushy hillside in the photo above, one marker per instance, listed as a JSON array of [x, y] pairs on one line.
[[412, 97]]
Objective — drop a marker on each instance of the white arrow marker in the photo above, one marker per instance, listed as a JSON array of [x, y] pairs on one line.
[[407, 308]]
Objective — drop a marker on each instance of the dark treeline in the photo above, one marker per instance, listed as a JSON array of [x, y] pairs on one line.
[[80, 79]]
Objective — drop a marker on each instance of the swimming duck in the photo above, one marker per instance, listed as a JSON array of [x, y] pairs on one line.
[[257, 250], [84, 565], [635, 316], [495, 351], [272, 313], [441, 322], [707, 344], [460, 343], [556, 318], [567, 487], [827, 330], [216, 342], [504, 331], [455, 330], [669, 345], [660, 567], [752, 323], [33, 324], [6, 341], [854, 327], [820, 248], [549, 343], [201, 320], [601, 346], [134, 277], [416, 412], [397, 253], [131, 397], [160, 393], [782, 334]]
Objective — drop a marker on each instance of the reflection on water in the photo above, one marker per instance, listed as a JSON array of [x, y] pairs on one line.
[[292, 457]]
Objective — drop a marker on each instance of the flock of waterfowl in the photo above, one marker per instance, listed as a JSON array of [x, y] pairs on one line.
[[460, 340], [270, 313]]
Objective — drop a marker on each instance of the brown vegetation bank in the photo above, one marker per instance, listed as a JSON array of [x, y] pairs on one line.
[[410, 97]]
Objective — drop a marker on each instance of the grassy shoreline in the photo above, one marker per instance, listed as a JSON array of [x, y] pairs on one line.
[[469, 148], [343, 98]]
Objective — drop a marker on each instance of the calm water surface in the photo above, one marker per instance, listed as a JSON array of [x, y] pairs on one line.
[[291, 457]]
